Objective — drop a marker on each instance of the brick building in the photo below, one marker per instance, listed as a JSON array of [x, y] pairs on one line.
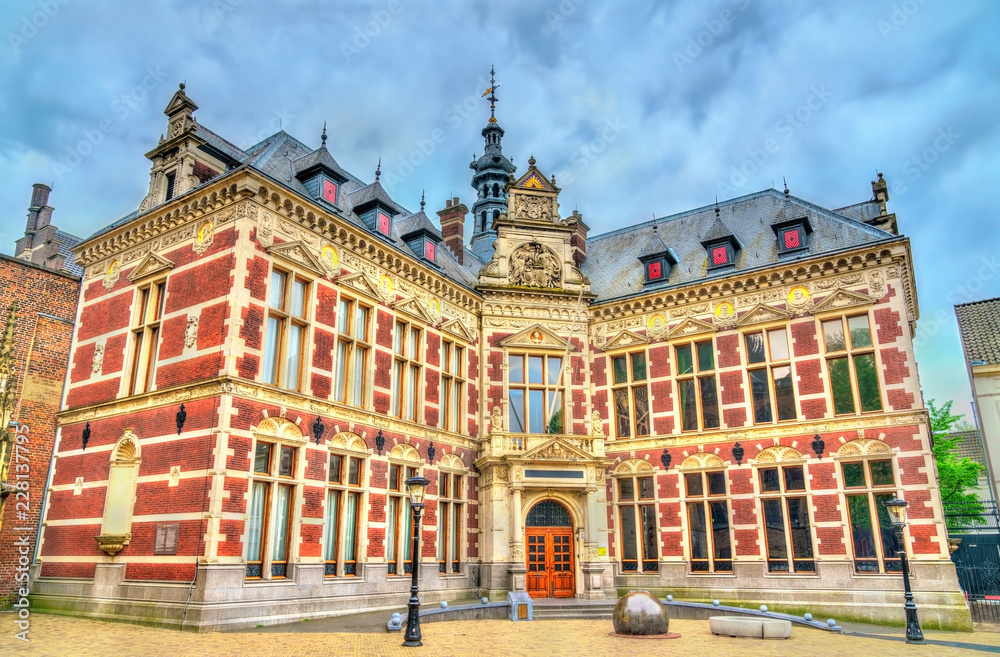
[[41, 291], [713, 404]]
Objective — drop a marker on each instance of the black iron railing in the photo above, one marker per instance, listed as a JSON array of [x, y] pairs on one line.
[[971, 517]]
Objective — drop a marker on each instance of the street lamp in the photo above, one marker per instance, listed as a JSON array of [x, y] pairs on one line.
[[416, 486], [897, 514]]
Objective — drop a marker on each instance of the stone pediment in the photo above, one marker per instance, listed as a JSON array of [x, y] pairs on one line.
[[536, 337], [625, 338], [151, 264], [690, 326], [296, 253], [842, 298], [761, 314], [359, 282], [458, 329], [556, 449], [533, 179], [412, 307]]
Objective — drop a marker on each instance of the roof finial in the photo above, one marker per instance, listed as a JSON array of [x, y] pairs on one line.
[[716, 206], [491, 95], [654, 223], [182, 85], [422, 201], [786, 186], [378, 169], [323, 136]]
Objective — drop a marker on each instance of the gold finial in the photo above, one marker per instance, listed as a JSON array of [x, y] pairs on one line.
[[490, 95]]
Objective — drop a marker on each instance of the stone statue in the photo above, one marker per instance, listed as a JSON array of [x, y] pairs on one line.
[[496, 422]]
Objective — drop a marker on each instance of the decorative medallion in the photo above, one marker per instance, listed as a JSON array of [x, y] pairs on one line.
[[657, 323], [798, 297], [191, 332], [535, 337], [112, 274], [534, 265], [386, 287], [434, 308], [725, 314], [204, 238], [329, 258]]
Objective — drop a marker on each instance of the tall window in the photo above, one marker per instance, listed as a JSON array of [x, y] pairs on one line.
[[786, 520], [449, 522], [399, 521], [697, 385], [867, 485], [708, 522], [536, 398], [850, 358], [145, 336], [452, 385], [637, 517], [631, 394], [342, 523], [352, 352], [270, 518], [286, 330], [406, 371], [770, 375]]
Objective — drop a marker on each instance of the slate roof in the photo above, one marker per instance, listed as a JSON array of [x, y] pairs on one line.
[[614, 269], [66, 243], [969, 445], [979, 326]]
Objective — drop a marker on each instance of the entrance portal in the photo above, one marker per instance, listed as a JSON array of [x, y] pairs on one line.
[[549, 542]]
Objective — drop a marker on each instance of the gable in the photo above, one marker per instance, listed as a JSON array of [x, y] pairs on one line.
[[296, 253], [557, 449], [151, 264], [536, 337], [532, 179], [690, 326], [842, 298], [359, 282], [625, 338], [761, 314], [412, 307], [458, 329]]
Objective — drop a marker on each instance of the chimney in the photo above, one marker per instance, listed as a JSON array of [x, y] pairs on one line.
[[453, 227], [39, 216], [880, 190], [885, 220], [578, 240]]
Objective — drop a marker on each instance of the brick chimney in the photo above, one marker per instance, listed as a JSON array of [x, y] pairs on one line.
[[885, 220], [578, 240], [453, 227], [38, 228]]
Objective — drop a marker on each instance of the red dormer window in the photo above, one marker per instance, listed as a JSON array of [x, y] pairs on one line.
[[654, 271], [720, 255], [791, 239], [429, 250], [330, 191], [383, 223]]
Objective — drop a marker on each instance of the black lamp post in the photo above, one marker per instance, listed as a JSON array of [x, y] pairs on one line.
[[897, 514], [416, 487]]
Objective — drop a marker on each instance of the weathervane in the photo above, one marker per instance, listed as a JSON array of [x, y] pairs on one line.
[[492, 97]]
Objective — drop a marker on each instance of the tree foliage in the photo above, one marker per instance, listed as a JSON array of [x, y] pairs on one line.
[[958, 477]]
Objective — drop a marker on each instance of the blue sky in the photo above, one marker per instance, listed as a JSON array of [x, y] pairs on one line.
[[636, 107]]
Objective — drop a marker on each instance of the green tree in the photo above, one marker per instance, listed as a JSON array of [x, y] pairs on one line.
[[957, 476]]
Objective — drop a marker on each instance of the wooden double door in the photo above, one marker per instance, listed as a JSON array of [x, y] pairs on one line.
[[550, 562]]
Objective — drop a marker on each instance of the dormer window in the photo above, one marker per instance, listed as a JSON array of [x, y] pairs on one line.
[[330, 191], [384, 223], [721, 255], [423, 243], [429, 250], [721, 245], [657, 265], [793, 236]]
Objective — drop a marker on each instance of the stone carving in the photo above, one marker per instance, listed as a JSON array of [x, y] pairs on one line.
[[863, 446], [204, 238], [632, 466], [517, 552], [535, 208], [702, 460], [112, 275], [265, 229], [876, 284], [98, 362], [175, 475], [191, 332], [500, 473], [534, 265], [777, 454], [78, 486], [554, 451], [596, 424], [496, 421]]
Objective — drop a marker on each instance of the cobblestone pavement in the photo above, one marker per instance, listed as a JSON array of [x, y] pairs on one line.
[[72, 637]]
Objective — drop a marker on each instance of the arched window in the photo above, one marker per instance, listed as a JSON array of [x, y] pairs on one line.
[[343, 519], [636, 501], [451, 502], [116, 527], [710, 543], [548, 513], [482, 219], [404, 462], [784, 499], [869, 480], [496, 215], [496, 190]]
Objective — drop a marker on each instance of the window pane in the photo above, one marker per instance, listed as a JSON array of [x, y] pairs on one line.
[[299, 298], [446, 365], [343, 316], [867, 382], [798, 522], [555, 370], [693, 483], [627, 514], [769, 482], [286, 459], [833, 334], [516, 420], [351, 527], [709, 403], [778, 341], [840, 383], [716, 483], [649, 547], [354, 472], [397, 387], [755, 348], [534, 369], [456, 525], [699, 533], [271, 350], [854, 475], [623, 419], [407, 530], [459, 357], [390, 529], [774, 527], [336, 465], [761, 396], [255, 523], [413, 349], [861, 527], [456, 407], [794, 479], [641, 396], [330, 525], [706, 357], [361, 323], [282, 501], [276, 296], [646, 488], [618, 367], [861, 335], [626, 489], [443, 481], [397, 338], [516, 369], [340, 392], [639, 367], [358, 376], [293, 358], [684, 363], [456, 486], [720, 530], [262, 458], [891, 545], [394, 482], [555, 408], [536, 411], [689, 407], [784, 394], [881, 473]]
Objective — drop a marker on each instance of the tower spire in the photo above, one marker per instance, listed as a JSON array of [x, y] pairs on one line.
[[492, 95], [323, 136], [378, 170]]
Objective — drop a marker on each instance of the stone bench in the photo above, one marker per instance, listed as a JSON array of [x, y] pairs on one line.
[[753, 628]]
